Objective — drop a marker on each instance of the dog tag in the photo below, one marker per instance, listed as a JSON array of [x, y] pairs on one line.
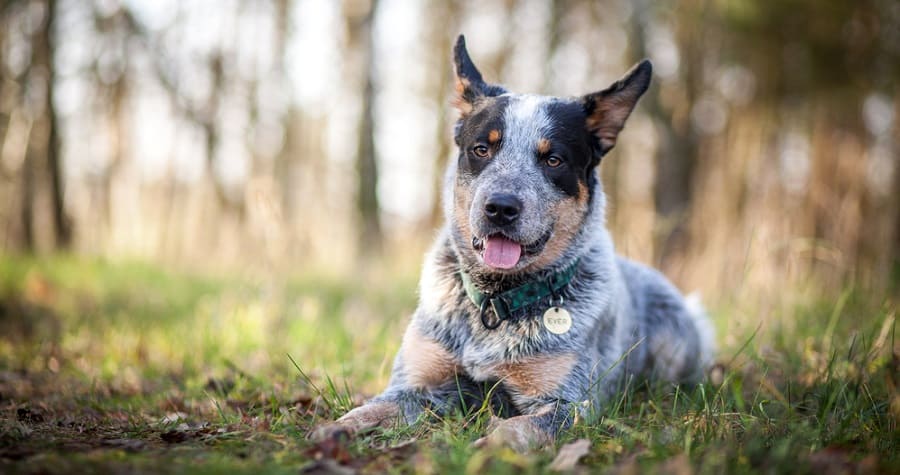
[[557, 320]]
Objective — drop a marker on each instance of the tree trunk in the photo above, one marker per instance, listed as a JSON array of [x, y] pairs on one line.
[[43, 163], [361, 44], [441, 40], [677, 148], [61, 229]]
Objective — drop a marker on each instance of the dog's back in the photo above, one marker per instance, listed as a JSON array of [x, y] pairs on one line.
[[673, 334]]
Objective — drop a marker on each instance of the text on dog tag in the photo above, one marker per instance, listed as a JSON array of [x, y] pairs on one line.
[[557, 320]]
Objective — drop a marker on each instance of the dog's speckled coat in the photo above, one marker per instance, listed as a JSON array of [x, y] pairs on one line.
[[627, 319]]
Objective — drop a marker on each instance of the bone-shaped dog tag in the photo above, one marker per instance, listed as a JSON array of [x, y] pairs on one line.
[[557, 320]]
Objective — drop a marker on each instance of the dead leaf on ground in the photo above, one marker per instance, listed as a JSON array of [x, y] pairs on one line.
[[303, 400], [173, 417], [174, 436], [24, 414], [186, 432], [256, 423], [569, 455], [334, 448]]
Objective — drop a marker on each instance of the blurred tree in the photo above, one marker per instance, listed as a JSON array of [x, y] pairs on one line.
[[773, 118], [205, 113], [29, 93], [111, 75], [358, 15], [676, 154], [816, 63], [441, 36]]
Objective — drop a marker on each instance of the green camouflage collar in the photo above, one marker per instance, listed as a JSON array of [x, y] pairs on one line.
[[505, 304]]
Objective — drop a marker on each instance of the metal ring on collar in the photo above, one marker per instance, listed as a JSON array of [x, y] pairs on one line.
[[555, 296], [484, 304]]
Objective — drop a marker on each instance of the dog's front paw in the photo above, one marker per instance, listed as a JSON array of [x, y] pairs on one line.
[[520, 433], [373, 414], [332, 430]]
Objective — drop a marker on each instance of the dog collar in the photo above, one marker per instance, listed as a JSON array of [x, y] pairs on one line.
[[505, 304]]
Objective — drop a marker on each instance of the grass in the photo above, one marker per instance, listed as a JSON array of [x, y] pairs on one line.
[[123, 367]]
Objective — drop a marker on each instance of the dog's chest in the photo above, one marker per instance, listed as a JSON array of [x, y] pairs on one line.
[[525, 366], [488, 354]]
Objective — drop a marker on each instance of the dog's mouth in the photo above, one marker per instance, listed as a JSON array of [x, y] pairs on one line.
[[500, 252]]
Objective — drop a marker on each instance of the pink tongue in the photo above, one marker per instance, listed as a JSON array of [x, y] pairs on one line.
[[501, 253]]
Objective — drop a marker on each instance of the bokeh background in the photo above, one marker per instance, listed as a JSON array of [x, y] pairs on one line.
[[285, 136], [213, 214]]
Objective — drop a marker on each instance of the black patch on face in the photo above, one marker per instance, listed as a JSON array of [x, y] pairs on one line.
[[570, 140], [475, 129]]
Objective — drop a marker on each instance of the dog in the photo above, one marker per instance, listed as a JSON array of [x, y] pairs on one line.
[[524, 303]]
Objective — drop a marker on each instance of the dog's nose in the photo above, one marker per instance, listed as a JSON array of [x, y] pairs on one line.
[[502, 209]]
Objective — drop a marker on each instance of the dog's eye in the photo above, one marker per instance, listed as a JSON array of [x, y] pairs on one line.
[[553, 161], [480, 151]]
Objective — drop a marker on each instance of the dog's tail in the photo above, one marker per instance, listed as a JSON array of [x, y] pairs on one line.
[[705, 330]]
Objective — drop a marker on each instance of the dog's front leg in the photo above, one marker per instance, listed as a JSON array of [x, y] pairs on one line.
[[397, 405], [530, 431], [423, 376], [367, 416]]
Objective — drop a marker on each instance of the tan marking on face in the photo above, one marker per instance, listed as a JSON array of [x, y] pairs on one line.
[[493, 137], [569, 214], [428, 363], [543, 146], [583, 194], [536, 376]]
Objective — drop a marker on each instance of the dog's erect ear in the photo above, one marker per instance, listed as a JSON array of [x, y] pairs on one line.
[[608, 109], [469, 84]]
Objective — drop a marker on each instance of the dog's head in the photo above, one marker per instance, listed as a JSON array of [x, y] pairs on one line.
[[525, 178]]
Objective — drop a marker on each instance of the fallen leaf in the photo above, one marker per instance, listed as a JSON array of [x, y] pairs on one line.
[[303, 400], [333, 448], [174, 436], [569, 455], [173, 417], [24, 414]]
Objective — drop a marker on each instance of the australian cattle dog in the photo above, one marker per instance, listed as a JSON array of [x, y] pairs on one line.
[[523, 299]]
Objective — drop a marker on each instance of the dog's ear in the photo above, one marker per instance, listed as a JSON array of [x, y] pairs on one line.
[[608, 109], [469, 84]]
